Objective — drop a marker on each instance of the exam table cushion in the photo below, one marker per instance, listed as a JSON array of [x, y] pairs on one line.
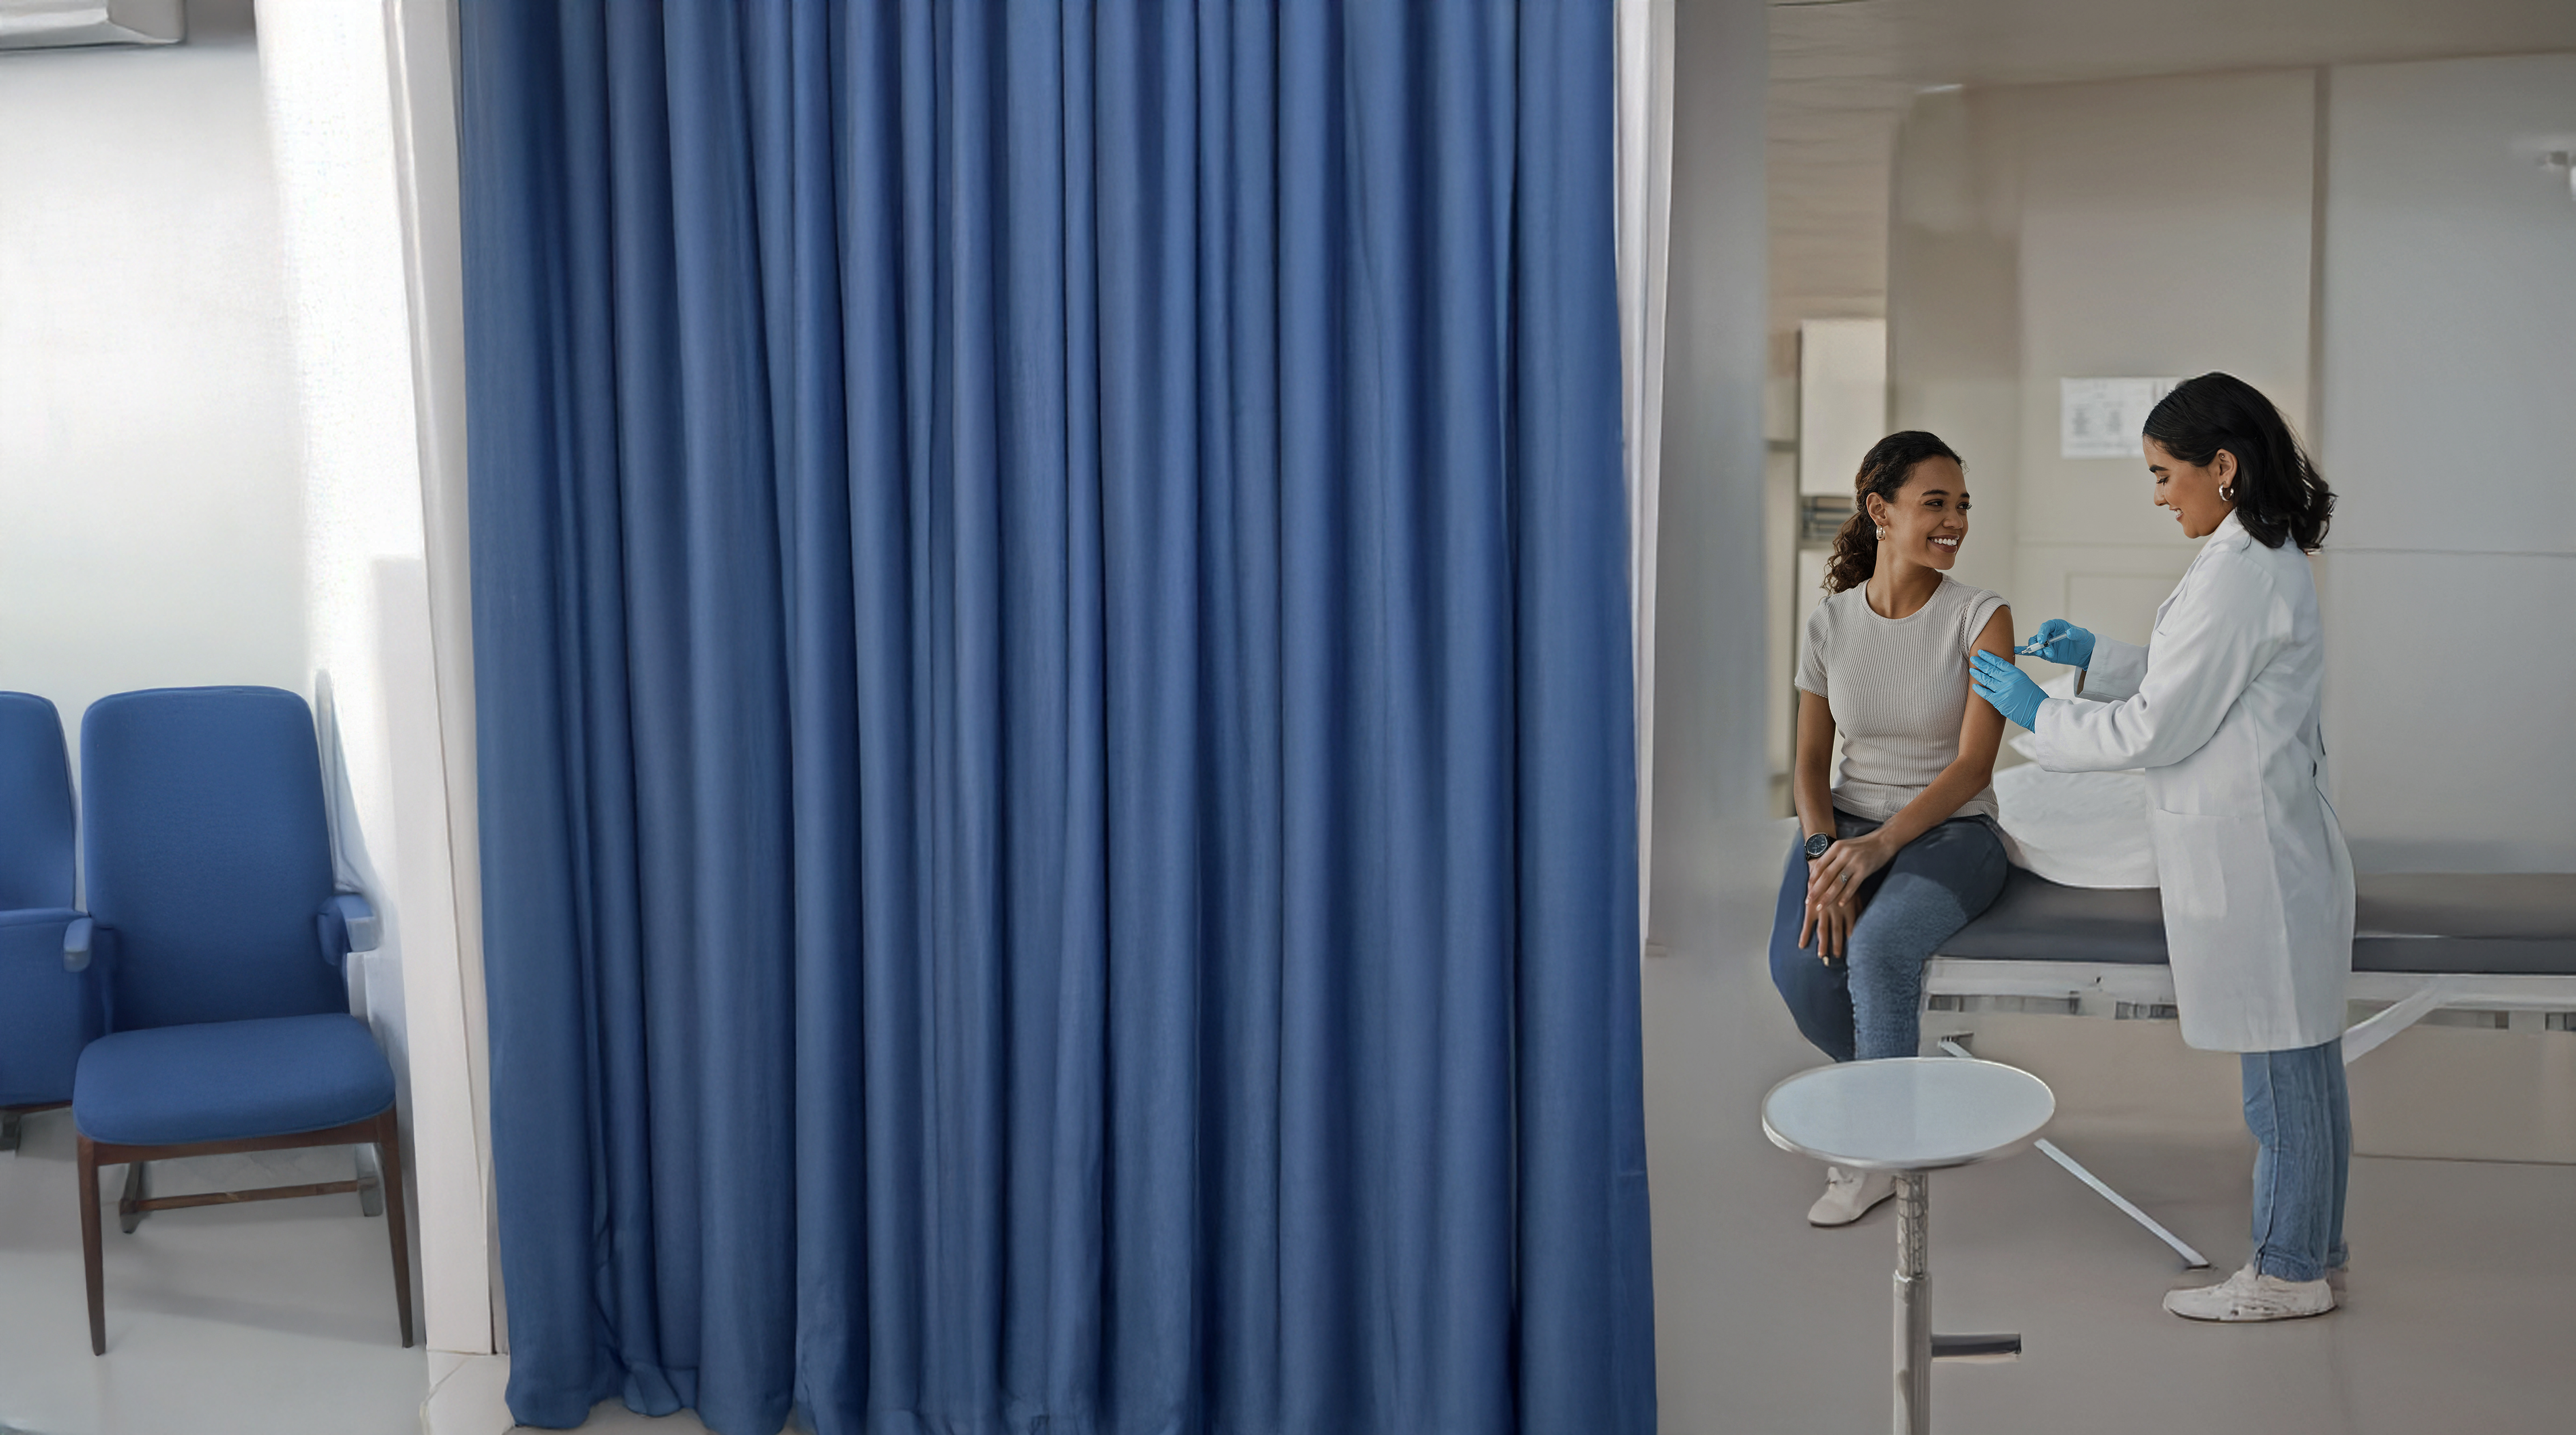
[[2502, 923], [227, 1080]]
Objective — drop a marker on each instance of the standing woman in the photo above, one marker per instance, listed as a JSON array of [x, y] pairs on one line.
[[2221, 708]]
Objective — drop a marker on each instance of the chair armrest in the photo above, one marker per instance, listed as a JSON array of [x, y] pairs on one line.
[[78, 937], [347, 923]]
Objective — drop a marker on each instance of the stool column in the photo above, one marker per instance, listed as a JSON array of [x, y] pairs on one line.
[[1913, 1306]]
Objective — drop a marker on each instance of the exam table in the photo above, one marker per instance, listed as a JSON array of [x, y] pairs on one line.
[[2421, 941]]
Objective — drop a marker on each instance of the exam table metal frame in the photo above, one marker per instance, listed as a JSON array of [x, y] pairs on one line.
[[2134, 989]]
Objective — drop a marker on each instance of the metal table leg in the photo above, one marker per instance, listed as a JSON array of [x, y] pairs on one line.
[[1916, 1346], [2191, 1259], [1913, 1306]]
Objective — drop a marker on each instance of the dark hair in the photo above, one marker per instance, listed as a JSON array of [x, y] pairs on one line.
[[2278, 492], [1883, 471]]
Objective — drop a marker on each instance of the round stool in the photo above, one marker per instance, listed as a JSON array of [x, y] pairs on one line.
[[1913, 1116]]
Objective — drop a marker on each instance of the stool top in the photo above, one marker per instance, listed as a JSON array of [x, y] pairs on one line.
[[1915, 1113]]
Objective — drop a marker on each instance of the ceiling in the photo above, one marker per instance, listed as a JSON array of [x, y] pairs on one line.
[[1844, 71]]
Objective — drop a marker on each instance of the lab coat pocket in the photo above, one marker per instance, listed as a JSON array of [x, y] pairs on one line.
[[2235, 978], [2212, 867], [2223, 779]]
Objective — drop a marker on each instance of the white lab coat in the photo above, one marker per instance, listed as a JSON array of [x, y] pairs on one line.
[[2221, 709]]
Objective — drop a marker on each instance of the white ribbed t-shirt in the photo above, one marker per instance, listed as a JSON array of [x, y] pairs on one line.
[[1898, 688]]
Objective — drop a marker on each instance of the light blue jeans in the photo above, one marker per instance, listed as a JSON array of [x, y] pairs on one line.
[[2302, 1123], [1869, 1005]]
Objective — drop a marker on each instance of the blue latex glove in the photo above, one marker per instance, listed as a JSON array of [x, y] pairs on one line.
[[2007, 687], [2060, 641]]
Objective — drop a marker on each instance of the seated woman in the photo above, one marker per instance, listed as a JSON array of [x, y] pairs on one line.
[[1903, 850]]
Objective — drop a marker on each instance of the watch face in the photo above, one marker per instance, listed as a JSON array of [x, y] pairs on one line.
[[1817, 844]]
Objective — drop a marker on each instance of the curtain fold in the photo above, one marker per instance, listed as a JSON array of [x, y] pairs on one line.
[[1053, 678], [1645, 170]]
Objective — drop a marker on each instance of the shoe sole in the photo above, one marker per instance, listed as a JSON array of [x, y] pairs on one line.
[[2253, 1319]]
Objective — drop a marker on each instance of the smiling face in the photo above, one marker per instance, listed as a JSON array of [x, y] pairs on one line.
[[1927, 520], [2190, 489]]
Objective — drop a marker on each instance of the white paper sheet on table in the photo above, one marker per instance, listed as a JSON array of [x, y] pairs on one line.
[[2083, 829]]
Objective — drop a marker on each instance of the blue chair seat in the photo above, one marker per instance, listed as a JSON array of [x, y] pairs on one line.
[[230, 1080]]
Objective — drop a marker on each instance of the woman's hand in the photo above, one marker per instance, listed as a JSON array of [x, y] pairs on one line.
[[2008, 688], [2059, 641], [1833, 892]]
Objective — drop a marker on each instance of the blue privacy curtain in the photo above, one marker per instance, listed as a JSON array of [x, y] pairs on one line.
[[1052, 658]]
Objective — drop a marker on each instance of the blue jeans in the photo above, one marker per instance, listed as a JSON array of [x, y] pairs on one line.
[[1869, 1003], [2302, 1123]]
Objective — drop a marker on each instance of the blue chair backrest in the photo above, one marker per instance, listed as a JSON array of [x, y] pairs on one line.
[[35, 805], [209, 854]]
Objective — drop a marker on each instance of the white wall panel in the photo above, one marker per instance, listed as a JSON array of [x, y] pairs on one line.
[[1842, 400], [2450, 306], [329, 71], [1712, 692], [2449, 405], [2451, 717], [2165, 230]]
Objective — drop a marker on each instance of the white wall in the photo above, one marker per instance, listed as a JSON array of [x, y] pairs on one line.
[[2449, 407], [2399, 282], [1842, 401], [151, 514], [1711, 694], [1954, 311], [2142, 227], [330, 69], [2173, 246]]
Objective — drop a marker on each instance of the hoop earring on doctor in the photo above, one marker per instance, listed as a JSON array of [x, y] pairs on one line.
[[2227, 493]]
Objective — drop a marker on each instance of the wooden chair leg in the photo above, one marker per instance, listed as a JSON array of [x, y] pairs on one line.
[[389, 1163], [129, 1207], [91, 1255]]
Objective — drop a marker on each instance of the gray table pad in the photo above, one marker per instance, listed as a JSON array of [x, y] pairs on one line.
[[2481, 922]]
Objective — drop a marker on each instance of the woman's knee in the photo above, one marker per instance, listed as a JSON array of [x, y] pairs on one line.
[[1803, 979], [1886, 969]]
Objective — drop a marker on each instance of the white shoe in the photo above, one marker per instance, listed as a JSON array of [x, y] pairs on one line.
[[1849, 1195], [2248, 1295]]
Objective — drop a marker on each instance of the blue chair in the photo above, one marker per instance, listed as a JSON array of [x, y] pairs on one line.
[[212, 914], [48, 1010]]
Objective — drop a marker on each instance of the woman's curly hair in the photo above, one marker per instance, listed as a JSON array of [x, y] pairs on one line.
[[1882, 471]]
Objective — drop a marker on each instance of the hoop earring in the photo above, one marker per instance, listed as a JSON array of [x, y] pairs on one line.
[[2227, 492], [1882, 533]]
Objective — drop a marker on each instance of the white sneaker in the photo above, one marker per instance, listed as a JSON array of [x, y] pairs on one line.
[[1849, 1195], [2248, 1295]]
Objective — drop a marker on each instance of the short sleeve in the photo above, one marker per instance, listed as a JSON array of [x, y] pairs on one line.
[[1978, 612], [1811, 652]]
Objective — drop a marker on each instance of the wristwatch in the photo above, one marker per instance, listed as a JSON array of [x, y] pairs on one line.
[[1817, 844]]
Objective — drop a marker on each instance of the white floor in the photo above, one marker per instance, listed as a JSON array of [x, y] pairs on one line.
[[265, 1318], [2459, 1314], [278, 1317]]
